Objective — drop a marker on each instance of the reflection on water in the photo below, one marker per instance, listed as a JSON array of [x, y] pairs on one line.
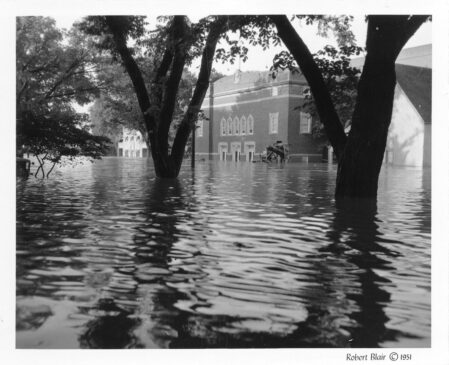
[[232, 255]]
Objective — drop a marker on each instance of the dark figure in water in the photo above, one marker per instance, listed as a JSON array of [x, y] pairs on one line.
[[277, 149]]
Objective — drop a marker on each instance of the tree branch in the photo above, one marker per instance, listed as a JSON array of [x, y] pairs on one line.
[[133, 70], [182, 44], [67, 73], [412, 25], [325, 107], [160, 74], [49, 172], [74, 92], [202, 84], [391, 32]]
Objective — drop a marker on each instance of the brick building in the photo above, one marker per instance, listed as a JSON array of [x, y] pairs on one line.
[[249, 111]]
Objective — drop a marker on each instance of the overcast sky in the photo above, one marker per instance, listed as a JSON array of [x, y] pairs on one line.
[[259, 60]]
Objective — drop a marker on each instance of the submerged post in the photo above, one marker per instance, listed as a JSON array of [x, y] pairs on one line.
[[193, 147], [330, 155]]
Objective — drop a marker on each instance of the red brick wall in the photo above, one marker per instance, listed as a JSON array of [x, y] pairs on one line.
[[246, 103]]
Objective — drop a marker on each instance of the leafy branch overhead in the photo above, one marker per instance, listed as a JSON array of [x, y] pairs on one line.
[[55, 69], [164, 54]]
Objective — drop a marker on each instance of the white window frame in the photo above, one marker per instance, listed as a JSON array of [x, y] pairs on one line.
[[236, 126], [243, 126], [305, 118], [223, 127], [273, 127], [250, 125], [229, 126], [222, 147], [249, 146], [199, 128]]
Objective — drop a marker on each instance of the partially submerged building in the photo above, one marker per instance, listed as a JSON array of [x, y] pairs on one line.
[[132, 144], [248, 111]]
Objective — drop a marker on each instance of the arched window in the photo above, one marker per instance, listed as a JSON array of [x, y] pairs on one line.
[[229, 126], [273, 123], [223, 127], [236, 126], [126, 139], [243, 125], [250, 121], [138, 138]]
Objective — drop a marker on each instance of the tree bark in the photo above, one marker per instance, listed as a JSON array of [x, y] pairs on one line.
[[359, 167], [188, 122], [134, 73], [325, 107], [158, 112], [360, 155]]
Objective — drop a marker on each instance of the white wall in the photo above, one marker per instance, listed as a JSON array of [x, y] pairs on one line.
[[406, 133], [133, 147]]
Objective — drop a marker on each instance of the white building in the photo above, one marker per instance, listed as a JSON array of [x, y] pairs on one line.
[[132, 144], [409, 135]]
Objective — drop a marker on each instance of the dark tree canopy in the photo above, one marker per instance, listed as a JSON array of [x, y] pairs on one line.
[[168, 50], [53, 70]]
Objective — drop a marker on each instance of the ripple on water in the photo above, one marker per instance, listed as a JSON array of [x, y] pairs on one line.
[[233, 255]]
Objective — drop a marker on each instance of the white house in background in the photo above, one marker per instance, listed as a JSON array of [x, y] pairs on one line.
[[132, 144], [409, 135]]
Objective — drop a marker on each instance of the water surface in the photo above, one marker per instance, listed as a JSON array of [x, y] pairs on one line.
[[232, 255]]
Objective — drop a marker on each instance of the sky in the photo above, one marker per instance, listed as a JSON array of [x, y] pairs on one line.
[[260, 60]]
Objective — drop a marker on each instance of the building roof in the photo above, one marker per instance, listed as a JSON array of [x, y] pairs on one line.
[[414, 76], [416, 82], [252, 79], [420, 56]]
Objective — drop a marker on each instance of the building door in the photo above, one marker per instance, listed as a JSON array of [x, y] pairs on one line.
[[120, 152], [222, 151], [250, 150], [236, 148]]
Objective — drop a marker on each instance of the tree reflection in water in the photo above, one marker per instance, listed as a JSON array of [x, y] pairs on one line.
[[352, 256], [355, 238], [112, 328], [223, 259]]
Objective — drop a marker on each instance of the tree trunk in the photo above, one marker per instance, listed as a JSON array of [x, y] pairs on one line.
[[158, 112], [360, 155], [190, 117], [360, 164], [325, 107]]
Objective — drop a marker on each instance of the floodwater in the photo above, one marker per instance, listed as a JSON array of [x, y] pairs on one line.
[[232, 255]]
